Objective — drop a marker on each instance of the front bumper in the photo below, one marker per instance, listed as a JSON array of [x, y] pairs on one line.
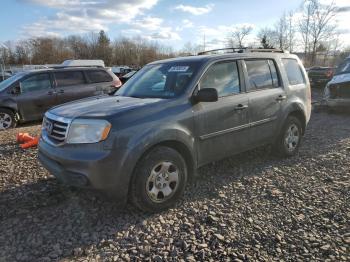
[[87, 166]]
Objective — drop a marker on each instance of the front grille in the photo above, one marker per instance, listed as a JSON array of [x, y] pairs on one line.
[[55, 130]]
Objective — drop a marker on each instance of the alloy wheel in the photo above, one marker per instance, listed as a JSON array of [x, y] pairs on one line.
[[292, 137], [5, 121], [162, 182]]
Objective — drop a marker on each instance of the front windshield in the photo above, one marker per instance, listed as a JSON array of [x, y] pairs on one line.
[[9, 81], [344, 67], [166, 80]]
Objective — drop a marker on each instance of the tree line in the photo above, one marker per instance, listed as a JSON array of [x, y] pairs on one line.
[[311, 29], [47, 50]]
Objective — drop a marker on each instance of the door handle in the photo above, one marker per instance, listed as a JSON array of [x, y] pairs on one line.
[[281, 98], [241, 107], [60, 91], [50, 93]]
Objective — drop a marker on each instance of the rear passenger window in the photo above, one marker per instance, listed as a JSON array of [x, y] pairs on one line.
[[262, 74], [69, 78], [294, 72], [35, 83], [99, 76], [222, 76]]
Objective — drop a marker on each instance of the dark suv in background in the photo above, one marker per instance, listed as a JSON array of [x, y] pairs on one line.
[[172, 117], [27, 95], [319, 76]]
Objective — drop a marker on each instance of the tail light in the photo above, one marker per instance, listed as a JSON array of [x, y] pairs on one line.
[[329, 73], [116, 83]]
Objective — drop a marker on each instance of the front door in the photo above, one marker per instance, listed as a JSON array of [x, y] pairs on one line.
[[266, 96], [222, 127], [36, 96]]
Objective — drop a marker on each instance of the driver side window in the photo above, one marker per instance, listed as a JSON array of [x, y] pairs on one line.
[[35, 83], [222, 76]]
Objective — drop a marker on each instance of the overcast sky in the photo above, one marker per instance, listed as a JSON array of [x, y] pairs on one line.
[[172, 22]]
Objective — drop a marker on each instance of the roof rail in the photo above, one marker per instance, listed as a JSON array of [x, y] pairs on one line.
[[241, 50], [84, 66]]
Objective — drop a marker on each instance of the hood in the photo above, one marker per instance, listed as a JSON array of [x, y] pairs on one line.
[[340, 79], [101, 106]]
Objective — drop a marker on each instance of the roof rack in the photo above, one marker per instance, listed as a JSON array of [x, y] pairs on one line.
[[241, 50], [79, 63]]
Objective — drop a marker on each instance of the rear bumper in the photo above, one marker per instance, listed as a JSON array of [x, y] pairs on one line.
[[88, 166], [338, 103]]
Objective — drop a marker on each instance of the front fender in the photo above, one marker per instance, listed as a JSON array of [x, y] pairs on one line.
[[144, 141]]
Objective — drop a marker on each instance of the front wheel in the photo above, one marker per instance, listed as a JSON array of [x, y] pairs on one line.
[[159, 180], [289, 140], [7, 119]]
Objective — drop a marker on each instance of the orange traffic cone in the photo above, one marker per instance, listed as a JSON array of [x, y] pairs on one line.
[[23, 138], [32, 143]]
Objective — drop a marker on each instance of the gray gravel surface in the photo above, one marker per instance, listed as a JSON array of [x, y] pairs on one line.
[[251, 207]]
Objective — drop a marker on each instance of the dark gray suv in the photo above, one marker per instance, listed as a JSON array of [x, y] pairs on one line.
[[26, 96], [174, 116]]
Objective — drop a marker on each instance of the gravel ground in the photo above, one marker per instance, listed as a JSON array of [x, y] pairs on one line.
[[251, 207]]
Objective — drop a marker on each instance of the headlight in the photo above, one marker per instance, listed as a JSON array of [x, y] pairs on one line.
[[85, 131]]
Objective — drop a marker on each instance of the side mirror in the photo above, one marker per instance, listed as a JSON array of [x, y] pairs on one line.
[[16, 90], [206, 95]]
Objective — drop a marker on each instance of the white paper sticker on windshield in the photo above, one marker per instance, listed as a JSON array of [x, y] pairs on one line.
[[178, 69]]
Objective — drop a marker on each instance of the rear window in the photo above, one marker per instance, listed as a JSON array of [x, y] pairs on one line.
[[69, 78], [294, 72], [262, 74], [99, 76]]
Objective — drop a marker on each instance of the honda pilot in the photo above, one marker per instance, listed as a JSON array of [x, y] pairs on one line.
[[173, 116]]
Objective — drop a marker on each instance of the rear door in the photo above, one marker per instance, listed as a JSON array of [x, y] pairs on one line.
[[36, 97], [222, 127], [266, 96], [100, 81], [71, 85]]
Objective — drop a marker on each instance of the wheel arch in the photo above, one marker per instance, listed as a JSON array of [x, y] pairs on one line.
[[297, 110], [180, 147], [13, 110]]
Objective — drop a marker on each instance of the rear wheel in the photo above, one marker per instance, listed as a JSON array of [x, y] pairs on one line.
[[159, 180], [7, 119], [289, 140]]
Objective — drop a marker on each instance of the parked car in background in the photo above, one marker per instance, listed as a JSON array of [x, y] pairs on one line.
[[127, 76], [337, 91], [320, 76], [27, 95], [173, 117], [119, 71]]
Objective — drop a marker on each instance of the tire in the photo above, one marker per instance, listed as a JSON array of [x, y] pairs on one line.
[[159, 180], [7, 119], [292, 131]]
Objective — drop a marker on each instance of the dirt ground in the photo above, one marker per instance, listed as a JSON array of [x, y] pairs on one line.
[[251, 207]]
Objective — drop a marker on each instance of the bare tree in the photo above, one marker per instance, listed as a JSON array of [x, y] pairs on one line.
[[316, 25], [239, 34], [291, 31], [267, 37]]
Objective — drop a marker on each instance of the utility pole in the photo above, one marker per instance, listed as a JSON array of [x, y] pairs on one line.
[[204, 42]]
